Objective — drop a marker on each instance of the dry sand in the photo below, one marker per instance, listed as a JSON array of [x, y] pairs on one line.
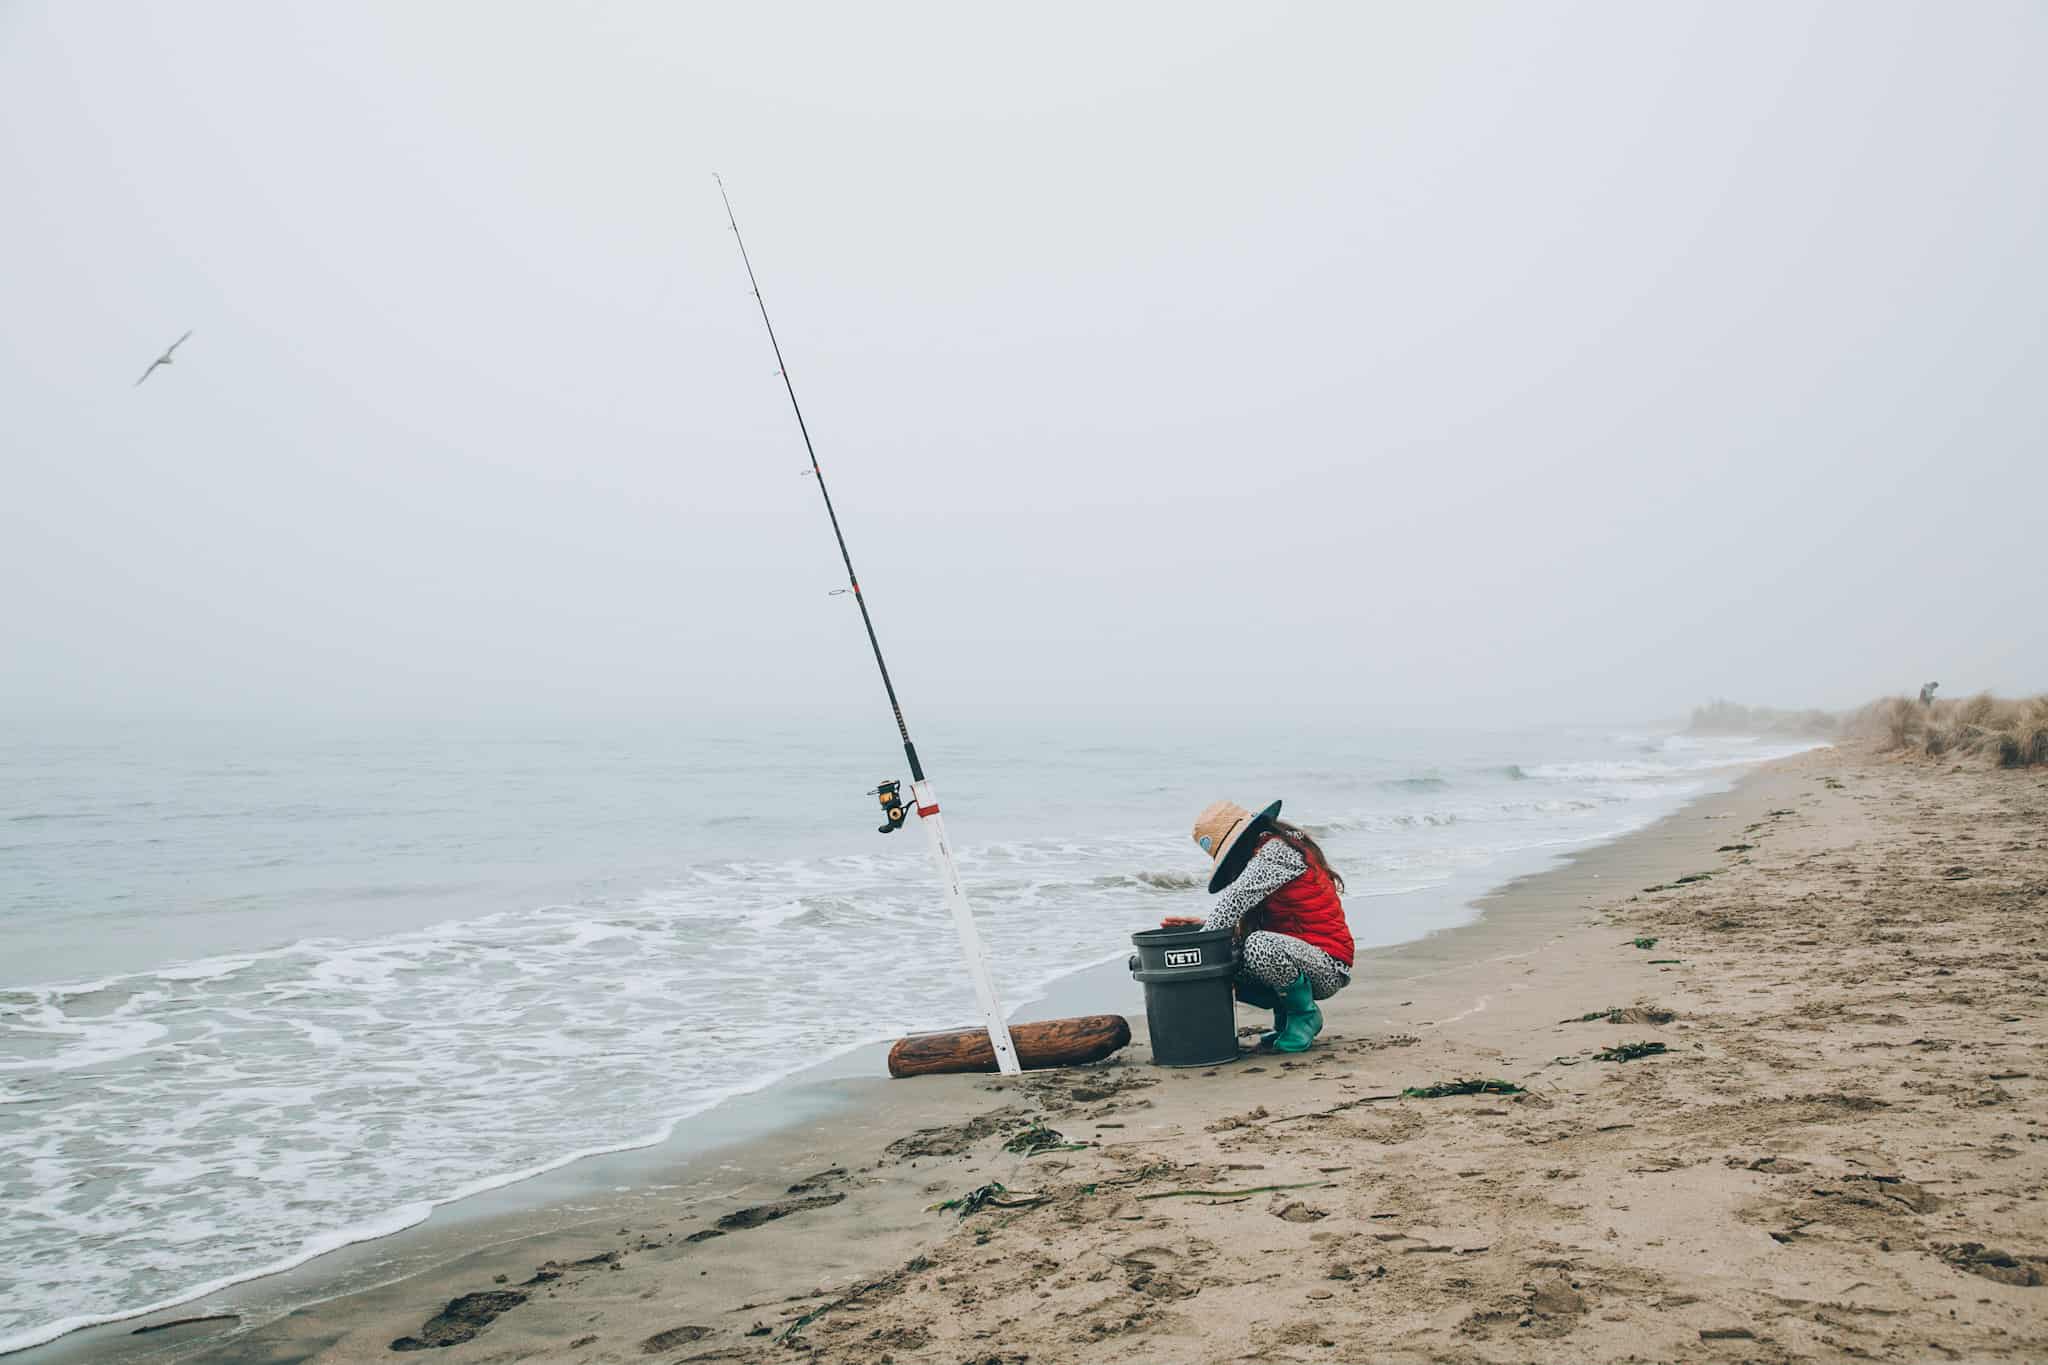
[[1840, 1154]]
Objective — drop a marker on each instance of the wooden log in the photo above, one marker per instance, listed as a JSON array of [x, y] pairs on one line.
[[1049, 1042]]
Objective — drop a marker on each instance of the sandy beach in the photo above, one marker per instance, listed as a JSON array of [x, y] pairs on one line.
[[1838, 1151], [584, 572]]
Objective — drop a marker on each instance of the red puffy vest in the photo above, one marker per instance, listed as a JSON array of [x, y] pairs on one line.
[[1307, 908]]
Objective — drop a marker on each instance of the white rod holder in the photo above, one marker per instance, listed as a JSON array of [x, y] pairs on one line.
[[970, 934]]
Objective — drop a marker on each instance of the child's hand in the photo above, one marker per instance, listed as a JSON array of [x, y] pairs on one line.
[[1180, 922]]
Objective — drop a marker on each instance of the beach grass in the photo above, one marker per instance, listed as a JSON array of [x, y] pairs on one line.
[[2005, 731]]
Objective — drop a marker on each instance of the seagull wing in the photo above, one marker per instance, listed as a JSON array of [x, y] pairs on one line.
[[148, 372], [179, 342]]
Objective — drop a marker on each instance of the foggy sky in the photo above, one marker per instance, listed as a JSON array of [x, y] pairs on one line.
[[1561, 361]]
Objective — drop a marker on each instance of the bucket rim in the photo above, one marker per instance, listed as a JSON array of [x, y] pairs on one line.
[[1184, 934]]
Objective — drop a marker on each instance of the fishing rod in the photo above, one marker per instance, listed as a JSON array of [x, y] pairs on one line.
[[889, 792]]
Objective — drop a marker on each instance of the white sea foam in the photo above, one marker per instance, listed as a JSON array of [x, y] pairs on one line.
[[1687, 755], [207, 969]]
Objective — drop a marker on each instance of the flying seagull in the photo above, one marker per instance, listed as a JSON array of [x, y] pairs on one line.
[[163, 359]]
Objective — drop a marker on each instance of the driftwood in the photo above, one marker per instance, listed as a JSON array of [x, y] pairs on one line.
[[1050, 1042]]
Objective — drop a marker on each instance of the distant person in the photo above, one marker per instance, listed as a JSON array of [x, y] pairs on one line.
[[1281, 897], [1927, 693]]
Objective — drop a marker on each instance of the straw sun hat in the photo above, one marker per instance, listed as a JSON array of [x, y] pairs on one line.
[[1220, 831]]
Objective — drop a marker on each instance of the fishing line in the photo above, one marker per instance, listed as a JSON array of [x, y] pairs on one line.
[[852, 579]]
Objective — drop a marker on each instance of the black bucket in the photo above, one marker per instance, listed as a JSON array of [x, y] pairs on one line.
[[1189, 1008]]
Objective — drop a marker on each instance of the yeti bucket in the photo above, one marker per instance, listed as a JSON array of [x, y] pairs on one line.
[[1189, 1008]]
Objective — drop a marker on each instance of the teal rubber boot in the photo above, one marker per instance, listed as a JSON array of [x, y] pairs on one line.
[[1261, 996], [1303, 1021]]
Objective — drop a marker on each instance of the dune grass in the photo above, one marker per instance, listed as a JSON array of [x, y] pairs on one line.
[[2009, 732]]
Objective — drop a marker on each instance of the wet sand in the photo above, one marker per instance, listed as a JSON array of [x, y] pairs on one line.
[[1838, 1152]]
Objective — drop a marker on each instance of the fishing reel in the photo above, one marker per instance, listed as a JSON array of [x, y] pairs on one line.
[[892, 806]]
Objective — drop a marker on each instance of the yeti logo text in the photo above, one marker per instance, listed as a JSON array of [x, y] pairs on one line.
[[1184, 957]]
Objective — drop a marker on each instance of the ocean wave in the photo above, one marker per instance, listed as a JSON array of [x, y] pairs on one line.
[[1427, 783], [1172, 881], [1698, 759], [573, 1027], [206, 969]]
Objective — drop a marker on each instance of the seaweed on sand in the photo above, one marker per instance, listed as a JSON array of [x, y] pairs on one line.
[[1628, 1052], [888, 1284], [1633, 1014], [1460, 1087], [1234, 1196], [1039, 1138], [1643, 941], [993, 1195], [1687, 880]]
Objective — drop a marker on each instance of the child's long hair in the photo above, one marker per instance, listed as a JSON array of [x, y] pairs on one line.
[[1299, 839]]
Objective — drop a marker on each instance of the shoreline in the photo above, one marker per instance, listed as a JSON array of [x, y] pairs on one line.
[[592, 1185], [628, 1182], [362, 1260], [1823, 1141]]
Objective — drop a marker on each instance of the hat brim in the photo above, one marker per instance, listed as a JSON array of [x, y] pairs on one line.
[[1238, 850]]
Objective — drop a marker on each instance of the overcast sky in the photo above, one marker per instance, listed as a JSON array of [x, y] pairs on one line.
[[1569, 361]]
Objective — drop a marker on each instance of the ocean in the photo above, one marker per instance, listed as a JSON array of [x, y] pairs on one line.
[[268, 989]]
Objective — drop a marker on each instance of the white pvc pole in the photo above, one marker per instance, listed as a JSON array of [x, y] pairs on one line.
[[970, 934]]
